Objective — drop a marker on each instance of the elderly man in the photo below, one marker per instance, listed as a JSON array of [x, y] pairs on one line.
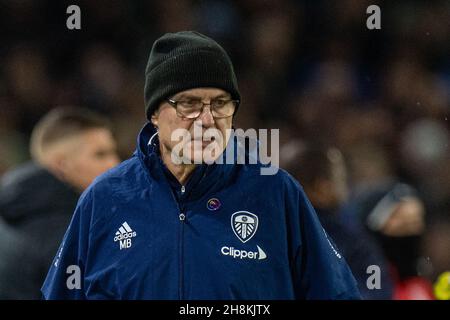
[[172, 222]]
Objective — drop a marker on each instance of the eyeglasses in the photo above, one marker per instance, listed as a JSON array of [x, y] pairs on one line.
[[193, 108]]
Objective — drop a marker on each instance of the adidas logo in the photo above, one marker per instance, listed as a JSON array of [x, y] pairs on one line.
[[124, 235]]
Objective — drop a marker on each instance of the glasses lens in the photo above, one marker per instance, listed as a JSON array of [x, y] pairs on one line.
[[192, 109], [189, 108], [223, 108]]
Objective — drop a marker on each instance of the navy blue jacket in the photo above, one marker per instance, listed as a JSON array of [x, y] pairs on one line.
[[229, 233]]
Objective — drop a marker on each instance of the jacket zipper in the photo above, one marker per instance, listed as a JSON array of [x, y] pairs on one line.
[[182, 218]]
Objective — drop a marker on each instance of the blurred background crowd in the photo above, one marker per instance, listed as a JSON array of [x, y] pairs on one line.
[[376, 101]]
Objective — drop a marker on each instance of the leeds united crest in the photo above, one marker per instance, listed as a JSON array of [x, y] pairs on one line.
[[244, 225]]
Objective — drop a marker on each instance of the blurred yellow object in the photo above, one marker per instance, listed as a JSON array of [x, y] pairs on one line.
[[442, 286]]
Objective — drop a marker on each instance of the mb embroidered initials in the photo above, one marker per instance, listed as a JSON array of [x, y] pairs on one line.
[[124, 236]]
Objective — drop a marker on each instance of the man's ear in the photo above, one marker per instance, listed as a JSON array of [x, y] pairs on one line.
[[58, 164], [154, 120]]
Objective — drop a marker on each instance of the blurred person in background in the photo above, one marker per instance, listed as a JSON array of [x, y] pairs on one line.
[[322, 172], [394, 213], [70, 146]]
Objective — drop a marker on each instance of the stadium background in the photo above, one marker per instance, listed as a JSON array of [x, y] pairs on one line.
[[310, 68]]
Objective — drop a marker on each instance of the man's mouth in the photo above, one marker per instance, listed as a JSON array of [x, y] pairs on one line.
[[204, 143]]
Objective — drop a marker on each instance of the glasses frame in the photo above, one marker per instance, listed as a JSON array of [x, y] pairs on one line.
[[174, 103]]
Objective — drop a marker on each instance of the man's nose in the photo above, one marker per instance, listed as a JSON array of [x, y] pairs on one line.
[[206, 117]]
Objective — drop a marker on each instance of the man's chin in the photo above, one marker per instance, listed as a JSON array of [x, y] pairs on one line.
[[202, 155]]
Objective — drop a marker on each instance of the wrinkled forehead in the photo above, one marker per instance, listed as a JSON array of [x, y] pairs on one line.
[[202, 93]]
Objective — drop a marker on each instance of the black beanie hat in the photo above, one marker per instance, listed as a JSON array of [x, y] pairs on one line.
[[185, 60]]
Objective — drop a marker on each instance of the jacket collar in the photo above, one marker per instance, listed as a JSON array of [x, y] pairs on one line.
[[204, 180]]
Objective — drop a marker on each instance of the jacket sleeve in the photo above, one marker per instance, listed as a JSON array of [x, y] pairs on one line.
[[65, 279], [320, 271]]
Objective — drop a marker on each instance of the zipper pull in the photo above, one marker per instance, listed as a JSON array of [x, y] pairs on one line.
[[183, 189], [182, 216]]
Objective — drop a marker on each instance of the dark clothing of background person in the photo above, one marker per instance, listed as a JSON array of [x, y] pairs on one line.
[[38, 206], [16, 264], [374, 208], [403, 252], [360, 252]]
